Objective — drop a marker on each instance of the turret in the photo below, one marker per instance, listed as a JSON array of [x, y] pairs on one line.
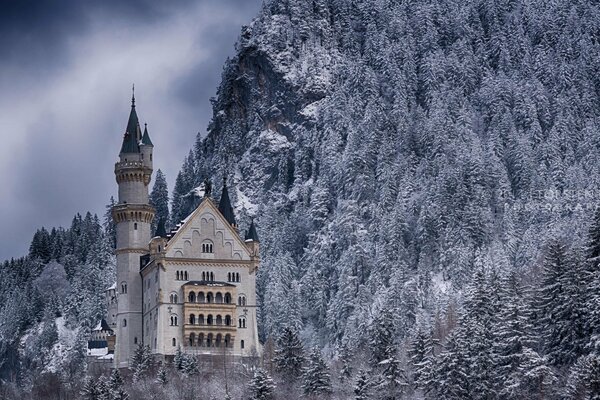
[[252, 241], [225, 205], [132, 215]]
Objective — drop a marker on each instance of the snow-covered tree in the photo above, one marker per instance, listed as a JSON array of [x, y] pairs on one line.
[[316, 378], [261, 386]]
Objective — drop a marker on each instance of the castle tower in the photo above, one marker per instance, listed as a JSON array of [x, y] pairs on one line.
[[132, 215]]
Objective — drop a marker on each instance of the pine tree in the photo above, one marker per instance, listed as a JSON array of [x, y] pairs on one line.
[[115, 386], [178, 359], [346, 359], [289, 354], [159, 199], [316, 379], [161, 376], [90, 391], [362, 387], [393, 376], [262, 386], [584, 379], [110, 228], [382, 336], [189, 365], [140, 361]]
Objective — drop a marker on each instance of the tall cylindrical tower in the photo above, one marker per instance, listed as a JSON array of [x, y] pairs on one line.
[[132, 215]]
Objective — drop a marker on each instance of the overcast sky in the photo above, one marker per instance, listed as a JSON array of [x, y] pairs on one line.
[[66, 70]]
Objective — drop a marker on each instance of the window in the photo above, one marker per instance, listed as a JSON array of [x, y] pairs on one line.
[[227, 320], [229, 277], [185, 275], [219, 320], [227, 298], [192, 297], [124, 323], [173, 298], [192, 319], [209, 297], [173, 320], [212, 276], [135, 226], [177, 275], [174, 342], [204, 276], [237, 277], [241, 344], [201, 319], [241, 300], [124, 287], [242, 323], [209, 319], [135, 340], [207, 247], [192, 339]]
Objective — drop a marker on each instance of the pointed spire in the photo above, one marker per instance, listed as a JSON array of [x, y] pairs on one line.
[[133, 95], [132, 132], [225, 204], [251, 234], [160, 229], [146, 138]]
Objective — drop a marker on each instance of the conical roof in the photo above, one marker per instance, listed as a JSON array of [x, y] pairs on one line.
[[225, 205], [133, 132], [145, 137], [252, 234]]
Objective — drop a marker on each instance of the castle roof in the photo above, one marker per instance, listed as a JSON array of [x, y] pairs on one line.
[[251, 234], [145, 137], [133, 132], [160, 229], [225, 205]]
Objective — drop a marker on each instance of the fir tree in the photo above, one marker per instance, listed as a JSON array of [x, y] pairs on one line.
[[189, 365], [178, 359], [362, 388], [161, 376], [140, 361], [289, 354], [90, 391], [316, 379], [116, 386], [159, 199], [261, 386]]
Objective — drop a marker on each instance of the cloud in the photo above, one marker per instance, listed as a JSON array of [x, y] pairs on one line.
[[64, 100]]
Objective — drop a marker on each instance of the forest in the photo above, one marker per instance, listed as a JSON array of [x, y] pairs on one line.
[[424, 180]]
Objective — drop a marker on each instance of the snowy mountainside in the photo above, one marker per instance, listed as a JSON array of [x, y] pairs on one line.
[[388, 144]]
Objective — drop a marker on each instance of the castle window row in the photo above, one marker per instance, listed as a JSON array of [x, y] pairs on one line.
[[208, 276], [181, 276], [209, 297], [210, 320], [207, 247], [233, 277], [211, 340]]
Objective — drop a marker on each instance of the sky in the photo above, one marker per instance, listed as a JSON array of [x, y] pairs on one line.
[[66, 74]]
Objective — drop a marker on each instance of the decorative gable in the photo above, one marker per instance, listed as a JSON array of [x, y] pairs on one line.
[[205, 234]]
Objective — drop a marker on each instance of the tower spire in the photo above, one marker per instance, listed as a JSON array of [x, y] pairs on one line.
[[133, 95], [225, 204]]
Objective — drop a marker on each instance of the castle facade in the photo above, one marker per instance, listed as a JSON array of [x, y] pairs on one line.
[[194, 287]]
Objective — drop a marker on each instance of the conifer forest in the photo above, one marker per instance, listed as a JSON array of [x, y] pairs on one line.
[[424, 176]]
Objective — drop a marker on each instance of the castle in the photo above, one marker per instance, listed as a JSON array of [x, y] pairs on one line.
[[193, 288]]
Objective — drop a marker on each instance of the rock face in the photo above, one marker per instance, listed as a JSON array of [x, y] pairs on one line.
[[389, 147]]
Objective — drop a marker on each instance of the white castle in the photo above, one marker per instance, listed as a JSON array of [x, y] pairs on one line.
[[194, 288]]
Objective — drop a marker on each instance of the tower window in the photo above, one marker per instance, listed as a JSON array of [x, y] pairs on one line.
[[135, 340], [173, 298], [174, 342], [242, 344], [124, 323], [135, 226], [207, 247], [124, 287]]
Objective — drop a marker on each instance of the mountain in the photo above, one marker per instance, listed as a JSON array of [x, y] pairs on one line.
[[393, 145]]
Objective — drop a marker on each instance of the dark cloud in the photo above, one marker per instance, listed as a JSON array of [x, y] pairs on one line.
[[65, 76]]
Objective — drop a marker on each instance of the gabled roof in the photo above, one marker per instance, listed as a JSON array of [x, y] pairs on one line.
[[133, 133], [207, 202], [225, 204], [251, 234], [145, 137]]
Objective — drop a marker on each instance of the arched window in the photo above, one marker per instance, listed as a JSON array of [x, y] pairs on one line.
[[218, 341], [201, 298], [227, 340], [227, 320], [124, 323], [185, 275], [229, 277], [192, 339], [124, 287], [192, 297], [192, 319], [201, 319], [207, 247], [219, 298], [200, 339], [174, 342], [173, 320], [173, 298], [242, 323], [237, 277], [227, 298], [135, 226], [212, 276], [135, 340], [209, 297], [241, 300], [209, 339], [219, 320], [209, 319], [242, 344], [177, 275], [203, 276]]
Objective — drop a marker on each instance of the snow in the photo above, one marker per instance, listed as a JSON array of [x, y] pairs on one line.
[[274, 140], [441, 285], [103, 351], [243, 201], [98, 327]]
